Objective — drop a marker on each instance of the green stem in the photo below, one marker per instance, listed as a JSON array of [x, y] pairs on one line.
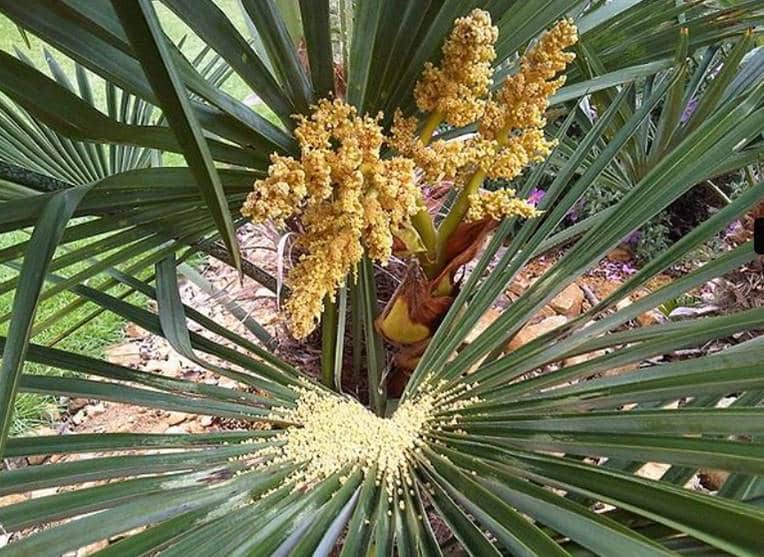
[[328, 342], [356, 321], [422, 221], [425, 227], [456, 215], [460, 206], [375, 350], [432, 123]]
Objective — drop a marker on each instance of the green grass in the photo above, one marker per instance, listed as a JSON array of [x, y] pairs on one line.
[[90, 338]]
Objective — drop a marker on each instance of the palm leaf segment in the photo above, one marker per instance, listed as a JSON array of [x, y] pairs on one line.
[[498, 460]]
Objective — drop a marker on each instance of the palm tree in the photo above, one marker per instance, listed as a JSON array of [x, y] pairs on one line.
[[481, 454]]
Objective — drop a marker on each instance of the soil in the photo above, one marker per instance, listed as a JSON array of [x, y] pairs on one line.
[[687, 212]]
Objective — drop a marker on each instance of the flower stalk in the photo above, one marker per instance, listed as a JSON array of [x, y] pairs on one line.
[[456, 215], [430, 125], [422, 221], [328, 342]]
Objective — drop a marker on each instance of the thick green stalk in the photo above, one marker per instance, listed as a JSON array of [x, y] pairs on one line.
[[456, 215], [375, 351], [422, 221], [460, 206], [328, 342], [430, 125]]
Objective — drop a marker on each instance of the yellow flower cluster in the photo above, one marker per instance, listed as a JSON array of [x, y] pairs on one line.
[[524, 97], [511, 132], [506, 160], [497, 205], [440, 160], [456, 88], [346, 197]]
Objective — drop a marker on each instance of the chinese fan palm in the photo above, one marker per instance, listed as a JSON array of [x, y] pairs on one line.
[[476, 453]]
